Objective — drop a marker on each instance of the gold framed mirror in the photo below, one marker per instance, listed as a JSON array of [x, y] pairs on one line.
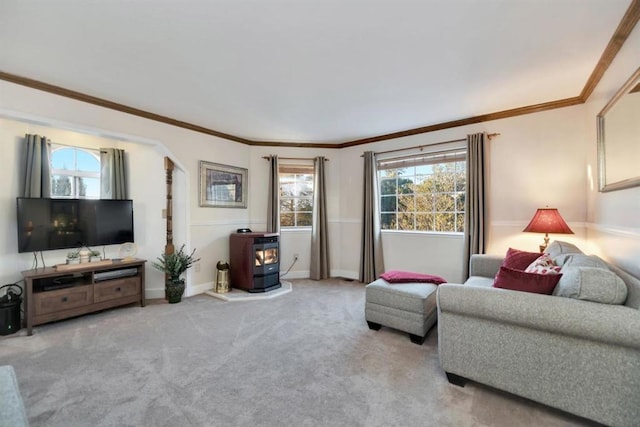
[[619, 138]]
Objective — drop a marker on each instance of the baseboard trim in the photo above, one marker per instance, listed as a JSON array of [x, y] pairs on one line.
[[202, 288], [199, 289], [301, 274], [346, 274], [155, 293]]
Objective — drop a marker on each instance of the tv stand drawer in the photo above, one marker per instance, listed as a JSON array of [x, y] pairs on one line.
[[114, 289], [63, 299]]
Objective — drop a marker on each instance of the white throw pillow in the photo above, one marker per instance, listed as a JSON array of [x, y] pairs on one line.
[[543, 265]]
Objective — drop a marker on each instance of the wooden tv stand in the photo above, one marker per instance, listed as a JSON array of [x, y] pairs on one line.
[[53, 294]]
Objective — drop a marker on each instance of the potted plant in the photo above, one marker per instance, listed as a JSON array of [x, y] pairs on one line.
[[73, 257], [95, 256], [174, 266]]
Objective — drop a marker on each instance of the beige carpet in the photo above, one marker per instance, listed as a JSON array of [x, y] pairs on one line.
[[303, 359]]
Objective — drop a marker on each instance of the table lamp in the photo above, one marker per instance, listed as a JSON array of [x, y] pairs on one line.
[[547, 220]]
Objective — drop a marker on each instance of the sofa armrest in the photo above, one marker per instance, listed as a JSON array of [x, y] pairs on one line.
[[484, 265], [12, 412], [613, 324]]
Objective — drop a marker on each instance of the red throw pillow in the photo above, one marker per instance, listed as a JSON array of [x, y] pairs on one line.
[[519, 260], [397, 276], [515, 280]]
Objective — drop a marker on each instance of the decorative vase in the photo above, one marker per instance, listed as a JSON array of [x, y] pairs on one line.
[[173, 290], [84, 256]]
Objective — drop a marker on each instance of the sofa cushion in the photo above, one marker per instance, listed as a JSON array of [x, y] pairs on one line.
[[515, 280], [558, 247], [591, 284], [412, 297], [543, 265], [519, 260], [580, 260], [485, 282]]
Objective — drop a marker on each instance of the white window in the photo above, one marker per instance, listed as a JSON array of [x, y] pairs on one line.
[[296, 195], [424, 192], [75, 172]]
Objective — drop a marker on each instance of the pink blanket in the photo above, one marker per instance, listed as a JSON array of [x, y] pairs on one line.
[[397, 276]]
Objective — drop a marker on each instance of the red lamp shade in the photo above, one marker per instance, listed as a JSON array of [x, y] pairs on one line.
[[547, 220]]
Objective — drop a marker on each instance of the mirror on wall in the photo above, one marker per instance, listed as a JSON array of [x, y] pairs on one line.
[[619, 138]]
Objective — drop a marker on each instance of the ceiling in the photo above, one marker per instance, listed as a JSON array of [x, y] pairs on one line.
[[320, 71]]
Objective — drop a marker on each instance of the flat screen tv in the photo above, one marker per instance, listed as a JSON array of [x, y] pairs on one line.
[[47, 224]]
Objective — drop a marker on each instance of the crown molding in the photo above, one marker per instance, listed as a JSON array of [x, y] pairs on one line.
[[626, 26], [622, 32], [470, 120], [101, 102]]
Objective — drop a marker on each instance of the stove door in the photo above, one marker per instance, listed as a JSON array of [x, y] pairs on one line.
[[266, 259]]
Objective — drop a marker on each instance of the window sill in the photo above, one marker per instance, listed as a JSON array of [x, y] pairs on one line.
[[295, 229], [426, 233]]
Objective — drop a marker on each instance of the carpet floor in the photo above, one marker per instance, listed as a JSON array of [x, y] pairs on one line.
[[306, 358]]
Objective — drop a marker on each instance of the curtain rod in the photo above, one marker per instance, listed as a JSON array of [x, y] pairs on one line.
[[293, 158], [71, 146], [491, 135]]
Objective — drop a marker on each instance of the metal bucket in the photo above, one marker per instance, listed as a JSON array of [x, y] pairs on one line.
[[222, 277]]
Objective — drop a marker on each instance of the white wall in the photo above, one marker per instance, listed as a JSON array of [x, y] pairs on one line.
[[613, 219], [202, 228], [147, 205], [539, 159], [297, 241]]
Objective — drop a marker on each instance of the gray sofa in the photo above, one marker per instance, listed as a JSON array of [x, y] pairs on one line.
[[12, 411], [579, 356]]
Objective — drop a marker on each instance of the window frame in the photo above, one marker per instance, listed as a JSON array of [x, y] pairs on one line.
[[74, 174], [455, 156], [295, 169]]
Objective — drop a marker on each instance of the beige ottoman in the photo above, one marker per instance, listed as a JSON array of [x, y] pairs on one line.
[[408, 307]]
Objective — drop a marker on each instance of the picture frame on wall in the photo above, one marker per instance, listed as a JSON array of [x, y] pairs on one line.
[[223, 186]]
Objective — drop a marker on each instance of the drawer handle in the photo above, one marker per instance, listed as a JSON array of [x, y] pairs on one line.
[[118, 289], [64, 299]]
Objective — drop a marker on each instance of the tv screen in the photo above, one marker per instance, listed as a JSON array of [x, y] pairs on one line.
[[47, 224]]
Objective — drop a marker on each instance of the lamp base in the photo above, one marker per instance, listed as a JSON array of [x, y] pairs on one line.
[[546, 242]]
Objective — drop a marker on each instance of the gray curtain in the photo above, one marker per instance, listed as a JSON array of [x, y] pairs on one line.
[[475, 225], [371, 259], [319, 268], [273, 201], [113, 176], [36, 181]]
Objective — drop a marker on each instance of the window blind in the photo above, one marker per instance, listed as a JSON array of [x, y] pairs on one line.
[[296, 169], [423, 159]]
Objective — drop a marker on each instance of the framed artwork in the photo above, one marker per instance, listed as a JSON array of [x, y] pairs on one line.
[[223, 186]]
